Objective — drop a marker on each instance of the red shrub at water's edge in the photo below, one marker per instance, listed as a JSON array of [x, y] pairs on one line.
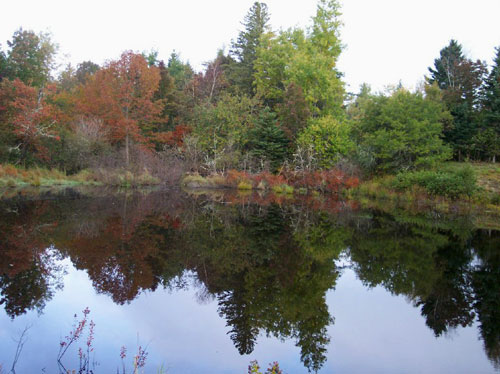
[[331, 180], [270, 179], [351, 182], [234, 177]]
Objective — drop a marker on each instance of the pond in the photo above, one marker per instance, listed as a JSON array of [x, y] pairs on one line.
[[207, 283]]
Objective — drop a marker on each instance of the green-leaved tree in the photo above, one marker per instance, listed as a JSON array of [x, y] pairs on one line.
[[307, 59], [403, 131], [31, 57]]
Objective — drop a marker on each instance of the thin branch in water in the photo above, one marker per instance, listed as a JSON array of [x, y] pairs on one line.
[[19, 348]]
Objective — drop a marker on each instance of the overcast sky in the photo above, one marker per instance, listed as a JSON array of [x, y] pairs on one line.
[[386, 40]]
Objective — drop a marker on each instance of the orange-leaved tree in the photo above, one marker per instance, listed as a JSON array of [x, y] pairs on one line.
[[122, 95], [28, 117]]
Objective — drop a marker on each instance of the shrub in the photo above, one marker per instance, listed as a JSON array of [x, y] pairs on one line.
[[146, 179], [218, 181], [262, 185], [288, 189], [194, 181], [244, 185], [277, 189], [302, 191], [329, 138], [36, 182], [452, 183], [234, 177], [495, 199], [10, 170]]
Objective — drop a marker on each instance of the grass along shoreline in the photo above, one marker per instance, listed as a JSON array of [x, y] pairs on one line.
[[13, 176]]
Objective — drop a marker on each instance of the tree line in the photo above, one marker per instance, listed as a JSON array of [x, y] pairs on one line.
[[275, 99]]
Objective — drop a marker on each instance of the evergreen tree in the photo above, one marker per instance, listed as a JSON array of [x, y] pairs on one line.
[[267, 140], [166, 92], [356, 107], [461, 80], [446, 66], [181, 72], [244, 50], [3, 64], [489, 137]]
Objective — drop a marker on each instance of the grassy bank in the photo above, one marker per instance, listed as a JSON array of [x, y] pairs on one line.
[[14, 176], [453, 186]]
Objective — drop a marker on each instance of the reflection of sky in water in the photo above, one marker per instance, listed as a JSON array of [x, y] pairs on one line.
[[373, 332]]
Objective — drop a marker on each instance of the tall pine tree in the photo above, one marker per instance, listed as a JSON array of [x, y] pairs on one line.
[[244, 50], [488, 138], [461, 80], [446, 70]]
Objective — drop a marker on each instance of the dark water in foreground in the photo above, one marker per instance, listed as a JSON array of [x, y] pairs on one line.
[[209, 283]]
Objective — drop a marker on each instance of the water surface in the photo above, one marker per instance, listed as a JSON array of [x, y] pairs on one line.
[[208, 283]]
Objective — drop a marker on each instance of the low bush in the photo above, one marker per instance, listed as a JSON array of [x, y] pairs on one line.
[[449, 183], [244, 185]]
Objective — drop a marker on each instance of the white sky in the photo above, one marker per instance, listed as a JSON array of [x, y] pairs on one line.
[[386, 40]]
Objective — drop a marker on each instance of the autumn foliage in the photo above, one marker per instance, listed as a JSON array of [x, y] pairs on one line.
[[330, 180], [122, 95], [28, 116], [174, 138]]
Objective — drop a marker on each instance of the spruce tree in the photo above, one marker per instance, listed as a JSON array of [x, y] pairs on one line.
[[244, 50], [267, 141], [447, 65], [461, 80], [3, 64], [489, 137]]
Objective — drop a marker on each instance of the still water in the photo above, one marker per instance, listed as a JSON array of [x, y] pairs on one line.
[[208, 283]]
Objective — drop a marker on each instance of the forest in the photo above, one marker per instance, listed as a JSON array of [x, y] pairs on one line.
[[273, 106]]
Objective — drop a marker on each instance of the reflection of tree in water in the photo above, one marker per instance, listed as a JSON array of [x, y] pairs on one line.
[[28, 270], [244, 329], [121, 255], [450, 301], [432, 264], [268, 266], [486, 284], [267, 280]]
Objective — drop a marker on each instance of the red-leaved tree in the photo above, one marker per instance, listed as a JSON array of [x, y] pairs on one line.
[[122, 95], [28, 117]]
